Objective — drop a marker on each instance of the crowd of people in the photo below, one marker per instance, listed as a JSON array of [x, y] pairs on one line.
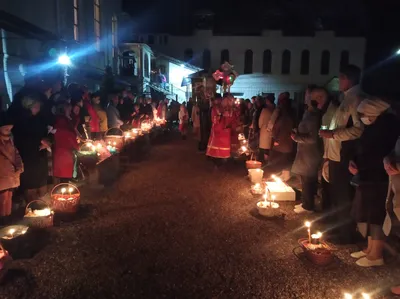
[[349, 138], [41, 133]]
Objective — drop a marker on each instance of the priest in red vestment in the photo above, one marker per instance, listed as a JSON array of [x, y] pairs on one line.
[[219, 143]]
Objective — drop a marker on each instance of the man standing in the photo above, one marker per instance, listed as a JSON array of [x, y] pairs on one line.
[[344, 128]]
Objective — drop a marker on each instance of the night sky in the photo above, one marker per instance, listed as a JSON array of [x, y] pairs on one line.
[[377, 20]]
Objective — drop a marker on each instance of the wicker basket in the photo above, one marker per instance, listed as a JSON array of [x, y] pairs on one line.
[[5, 262], [253, 164], [67, 202], [320, 256], [86, 154], [116, 141], [38, 221]]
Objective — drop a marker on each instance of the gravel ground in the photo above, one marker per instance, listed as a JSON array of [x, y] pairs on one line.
[[171, 227]]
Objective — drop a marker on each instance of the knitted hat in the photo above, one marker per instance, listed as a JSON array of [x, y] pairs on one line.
[[373, 107]]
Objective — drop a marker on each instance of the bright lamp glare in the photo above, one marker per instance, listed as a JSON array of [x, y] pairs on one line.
[[182, 65], [398, 52], [64, 60]]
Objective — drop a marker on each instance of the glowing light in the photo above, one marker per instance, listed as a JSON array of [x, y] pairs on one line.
[[70, 189], [307, 224], [11, 231], [319, 235], [365, 296], [398, 52], [182, 65], [63, 190], [64, 60], [348, 296]]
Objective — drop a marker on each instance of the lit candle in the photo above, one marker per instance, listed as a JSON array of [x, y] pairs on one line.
[[308, 225], [244, 148], [114, 143], [365, 296], [99, 145], [24, 231], [70, 189], [315, 238], [63, 190], [348, 296], [11, 232]]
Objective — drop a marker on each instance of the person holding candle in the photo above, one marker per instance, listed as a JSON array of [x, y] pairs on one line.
[[11, 167], [382, 129], [309, 150]]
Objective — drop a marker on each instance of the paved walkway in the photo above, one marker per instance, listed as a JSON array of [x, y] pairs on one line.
[[173, 228]]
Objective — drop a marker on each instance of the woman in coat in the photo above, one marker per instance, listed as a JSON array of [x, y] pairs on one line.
[[30, 138], [378, 139], [65, 144], [11, 167], [101, 115], [265, 142], [309, 152]]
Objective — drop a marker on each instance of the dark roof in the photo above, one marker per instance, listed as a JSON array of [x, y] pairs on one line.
[[26, 29]]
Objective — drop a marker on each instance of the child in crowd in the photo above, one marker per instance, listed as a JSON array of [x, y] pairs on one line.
[[10, 170], [183, 121]]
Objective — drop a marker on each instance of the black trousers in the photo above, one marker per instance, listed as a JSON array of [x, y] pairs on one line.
[[341, 195], [261, 153], [309, 189]]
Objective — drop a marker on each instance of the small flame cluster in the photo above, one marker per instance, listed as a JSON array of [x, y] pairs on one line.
[[363, 296], [244, 145]]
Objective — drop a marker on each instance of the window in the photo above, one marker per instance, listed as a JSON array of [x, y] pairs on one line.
[[267, 62], [286, 62], [97, 26], [305, 62], [325, 60], [165, 39], [114, 35], [188, 55], [206, 59], [76, 20], [248, 62], [224, 56], [344, 58], [150, 39], [146, 66]]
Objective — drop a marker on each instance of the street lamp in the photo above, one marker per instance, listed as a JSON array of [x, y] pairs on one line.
[[64, 59]]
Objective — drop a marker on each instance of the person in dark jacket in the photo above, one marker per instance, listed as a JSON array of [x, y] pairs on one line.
[[30, 138], [309, 149], [281, 154], [376, 142]]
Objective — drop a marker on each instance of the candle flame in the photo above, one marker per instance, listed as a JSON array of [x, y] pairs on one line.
[[244, 148], [11, 231], [24, 231], [348, 296], [307, 224], [273, 197], [70, 189], [319, 235], [265, 196], [98, 145], [63, 190], [365, 296], [257, 185]]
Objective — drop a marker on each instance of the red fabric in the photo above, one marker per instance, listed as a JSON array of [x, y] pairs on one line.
[[94, 119], [219, 143], [64, 145]]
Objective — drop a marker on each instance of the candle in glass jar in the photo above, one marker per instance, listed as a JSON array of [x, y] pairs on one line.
[[315, 238]]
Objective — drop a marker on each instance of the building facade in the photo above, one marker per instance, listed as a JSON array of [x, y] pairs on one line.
[[269, 62], [35, 33]]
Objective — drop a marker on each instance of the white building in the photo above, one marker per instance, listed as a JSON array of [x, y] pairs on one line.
[[278, 62], [85, 29]]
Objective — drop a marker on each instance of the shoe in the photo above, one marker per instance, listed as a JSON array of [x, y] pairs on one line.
[[395, 290], [364, 262], [301, 210], [358, 254]]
